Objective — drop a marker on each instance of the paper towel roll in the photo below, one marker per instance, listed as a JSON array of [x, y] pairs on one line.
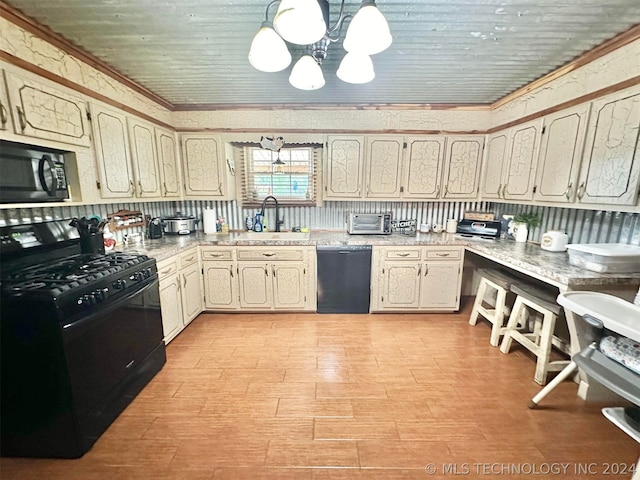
[[209, 220]]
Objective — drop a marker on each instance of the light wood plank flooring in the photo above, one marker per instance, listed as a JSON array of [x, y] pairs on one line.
[[307, 396]]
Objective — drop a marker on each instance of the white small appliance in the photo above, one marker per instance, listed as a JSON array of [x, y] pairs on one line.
[[554, 241]]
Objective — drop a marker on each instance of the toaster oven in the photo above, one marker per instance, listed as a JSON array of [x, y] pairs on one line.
[[369, 223]]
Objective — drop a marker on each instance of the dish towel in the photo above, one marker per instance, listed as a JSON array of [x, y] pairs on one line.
[[622, 350]]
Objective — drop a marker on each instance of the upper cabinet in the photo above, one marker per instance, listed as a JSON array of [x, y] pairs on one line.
[[144, 158], [168, 162], [463, 159], [112, 152], [42, 111], [383, 169], [560, 154], [204, 169], [394, 167], [610, 170], [511, 162], [345, 162]]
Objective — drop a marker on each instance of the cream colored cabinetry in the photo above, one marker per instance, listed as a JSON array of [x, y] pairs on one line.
[[204, 171], [170, 298], [561, 150], [511, 162], [220, 278], [40, 110], [383, 167], [276, 278], [345, 167], [463, 159], [180, 292], [610, 169], [4, 105], [144, 158], [416, 278], [422, 169], [111, 143], [168, 162]]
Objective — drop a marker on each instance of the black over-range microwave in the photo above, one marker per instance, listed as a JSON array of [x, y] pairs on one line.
[[31, 174]]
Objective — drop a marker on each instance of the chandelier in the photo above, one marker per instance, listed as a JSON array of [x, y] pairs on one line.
[[306, 22]]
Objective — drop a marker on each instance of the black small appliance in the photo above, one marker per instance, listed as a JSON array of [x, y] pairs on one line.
[[155, 228]]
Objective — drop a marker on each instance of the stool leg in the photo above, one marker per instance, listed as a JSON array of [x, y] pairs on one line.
[[498, 321], [482, 290], [546, 334], [557, 380], [514, 318]]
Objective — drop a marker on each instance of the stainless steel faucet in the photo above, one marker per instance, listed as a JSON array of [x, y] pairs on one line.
[[278, 221]]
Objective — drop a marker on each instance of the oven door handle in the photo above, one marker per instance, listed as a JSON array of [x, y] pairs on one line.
[[85, 320], [43, 181]]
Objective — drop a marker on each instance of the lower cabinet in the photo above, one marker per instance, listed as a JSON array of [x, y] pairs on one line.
[[181, 296], [269, 278], [416, 278]]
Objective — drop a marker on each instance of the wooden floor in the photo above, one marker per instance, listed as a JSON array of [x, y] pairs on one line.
[[275, 396]]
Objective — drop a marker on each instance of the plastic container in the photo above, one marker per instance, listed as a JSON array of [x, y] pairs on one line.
[[605, 257]]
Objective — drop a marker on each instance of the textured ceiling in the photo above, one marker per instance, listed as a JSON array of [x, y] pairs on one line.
[[460, 51]]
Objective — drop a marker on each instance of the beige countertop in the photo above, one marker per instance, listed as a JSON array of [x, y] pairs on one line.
[[528, 258]]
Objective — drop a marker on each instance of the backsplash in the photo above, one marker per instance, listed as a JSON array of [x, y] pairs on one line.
[[582, 226]]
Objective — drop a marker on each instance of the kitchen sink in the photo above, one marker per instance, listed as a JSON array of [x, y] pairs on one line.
[[281, 236]]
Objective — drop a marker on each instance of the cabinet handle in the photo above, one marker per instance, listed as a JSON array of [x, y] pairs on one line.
[[22, 119], [499, 188], [567, 193], [446, 190], [132, 187], [273, 270], [504, 191], [231, 271], [580, 191], [165, 271], [426, 269], [442, 254], [403, 254], [3, 114], [140, 185], [268, 254], [164, 184], [190, 259], [184, 281], [419, 270], [215, 254], [437, 191], [266, 272]]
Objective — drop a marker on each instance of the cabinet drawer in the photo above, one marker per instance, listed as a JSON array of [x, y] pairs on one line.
[[403, 254], [188, 258], [208, 255], [443, 254], [271, 254], [167, 267]]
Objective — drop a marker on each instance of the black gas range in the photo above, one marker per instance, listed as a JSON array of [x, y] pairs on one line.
[[80, 336]]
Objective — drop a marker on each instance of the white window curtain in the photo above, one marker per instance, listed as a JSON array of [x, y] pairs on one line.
[[296, 182]]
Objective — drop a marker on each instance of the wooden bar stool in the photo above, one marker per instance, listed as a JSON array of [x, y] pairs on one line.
[[541, 337], [498, 281]]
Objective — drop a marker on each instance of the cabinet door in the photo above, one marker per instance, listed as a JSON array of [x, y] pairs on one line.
[[191, 292], [610, 170], [424, 158], [168, 163], [440, 287], [255, 285], [4, 104], [521, 161], [42, 111], [345, 159], [112, 152], [145, 158], [384, 156], [561, 150], [204, 175], [462, 166], [493, 173], [289, 280], [220, 286], [171, 304], [400, 285]]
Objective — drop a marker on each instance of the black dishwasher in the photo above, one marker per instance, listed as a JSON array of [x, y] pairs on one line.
[[344, 278]]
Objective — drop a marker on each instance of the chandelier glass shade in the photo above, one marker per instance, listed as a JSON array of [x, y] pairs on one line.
[[306, 22]]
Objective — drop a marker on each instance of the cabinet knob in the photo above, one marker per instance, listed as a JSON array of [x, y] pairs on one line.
[[580, 191], [21, 119], [567, 192]]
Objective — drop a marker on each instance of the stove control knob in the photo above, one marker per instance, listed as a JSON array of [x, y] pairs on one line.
[[139, 276], [101, 294], [88, 299], [120, 284]]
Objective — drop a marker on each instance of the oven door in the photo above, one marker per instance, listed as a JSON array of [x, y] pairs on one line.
[[108, 352]]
